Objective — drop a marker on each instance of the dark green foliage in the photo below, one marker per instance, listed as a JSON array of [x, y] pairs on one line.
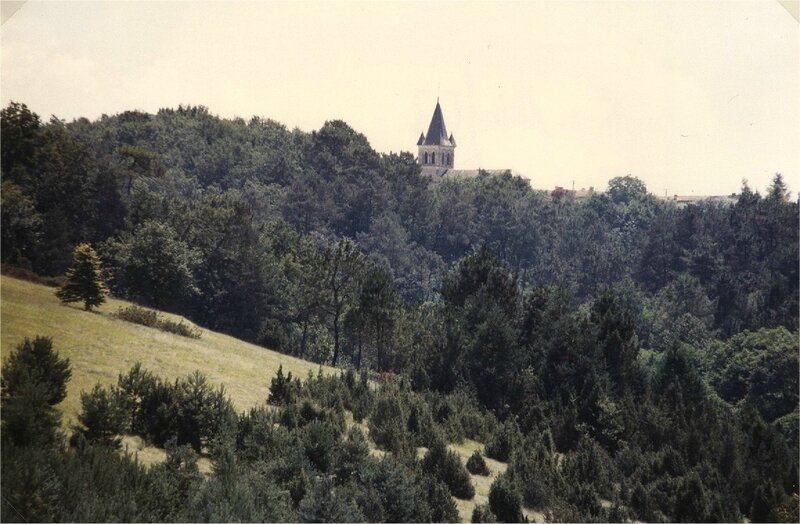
[[761, 366], [439, 501], [326, 503], [504, 501], [34, 379], [388, 426], [36, 360], [319, 442], [476, 465], [535, 471], [103, 416], [692, 503], [202, 413], [190, 410], [420, 422], [503, 441], [150, 402], [482, 513], [351, 455], [395, 487], [154, 265], [631, 347], [258, 437], [447, 467], [281, 389], [84, 280]]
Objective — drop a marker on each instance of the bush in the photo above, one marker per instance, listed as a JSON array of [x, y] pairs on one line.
[[447, 467], [281, 389], [150, 318], [326, 503], [420, 423], [476, 465], [351, 455], [179, 328], [319, 441], [103, 416], [388, 425], [202, 412], [505, 438], [442, 506], [34, 379], [482, 513], [395, 487], [504, 501]]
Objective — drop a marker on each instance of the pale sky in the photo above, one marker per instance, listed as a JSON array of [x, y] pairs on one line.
[[691, 97]]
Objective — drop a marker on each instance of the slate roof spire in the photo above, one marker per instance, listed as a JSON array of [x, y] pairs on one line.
[[437, 132]]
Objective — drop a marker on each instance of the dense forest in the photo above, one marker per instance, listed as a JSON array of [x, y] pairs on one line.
[[627, 358]]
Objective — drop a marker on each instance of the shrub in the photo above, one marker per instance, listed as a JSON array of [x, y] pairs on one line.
[[420, 423], [504, 501], [138, 315], [34, 379], [103, 416], [326, 503], [476, 465], [150, 318], [351, 455], [482, 513], [442, 506], [281, 389], [202, 412], [319, 441], [445, 465], [258, 437], [395, 487], [179, 328], [503, 441], [388, 425]]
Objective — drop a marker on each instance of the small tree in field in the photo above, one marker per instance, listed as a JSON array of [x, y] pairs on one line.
[[84, 282]]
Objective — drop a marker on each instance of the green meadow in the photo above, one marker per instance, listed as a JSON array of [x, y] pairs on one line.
[[100, 346]]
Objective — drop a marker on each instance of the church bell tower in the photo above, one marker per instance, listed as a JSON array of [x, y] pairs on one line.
[[436, 149]]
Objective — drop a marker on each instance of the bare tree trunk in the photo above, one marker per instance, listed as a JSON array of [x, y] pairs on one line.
[[335, 337]]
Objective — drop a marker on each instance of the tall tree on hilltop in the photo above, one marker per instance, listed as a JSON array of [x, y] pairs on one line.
[[84, 279]]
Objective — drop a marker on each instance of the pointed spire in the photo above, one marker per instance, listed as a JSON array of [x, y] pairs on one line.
[[421, 139], [437, 132], [452, 140]]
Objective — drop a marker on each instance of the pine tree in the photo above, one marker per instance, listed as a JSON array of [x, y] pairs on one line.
[[33, 380], [84, 280]]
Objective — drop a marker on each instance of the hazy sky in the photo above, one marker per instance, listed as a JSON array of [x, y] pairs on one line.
[[691, 97]]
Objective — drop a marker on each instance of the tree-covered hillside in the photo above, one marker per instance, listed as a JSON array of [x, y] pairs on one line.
[[618, 349]]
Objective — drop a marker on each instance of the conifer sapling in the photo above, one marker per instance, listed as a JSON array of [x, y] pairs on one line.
[[84, 279]]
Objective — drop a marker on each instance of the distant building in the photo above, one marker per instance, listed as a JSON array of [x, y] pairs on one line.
[[679, 200], [688, 200], [437, 152], [577, 194]]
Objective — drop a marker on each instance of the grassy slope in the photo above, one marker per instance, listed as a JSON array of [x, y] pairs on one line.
[[101, 346]]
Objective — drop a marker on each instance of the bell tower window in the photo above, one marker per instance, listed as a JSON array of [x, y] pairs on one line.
[[433, 158]]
